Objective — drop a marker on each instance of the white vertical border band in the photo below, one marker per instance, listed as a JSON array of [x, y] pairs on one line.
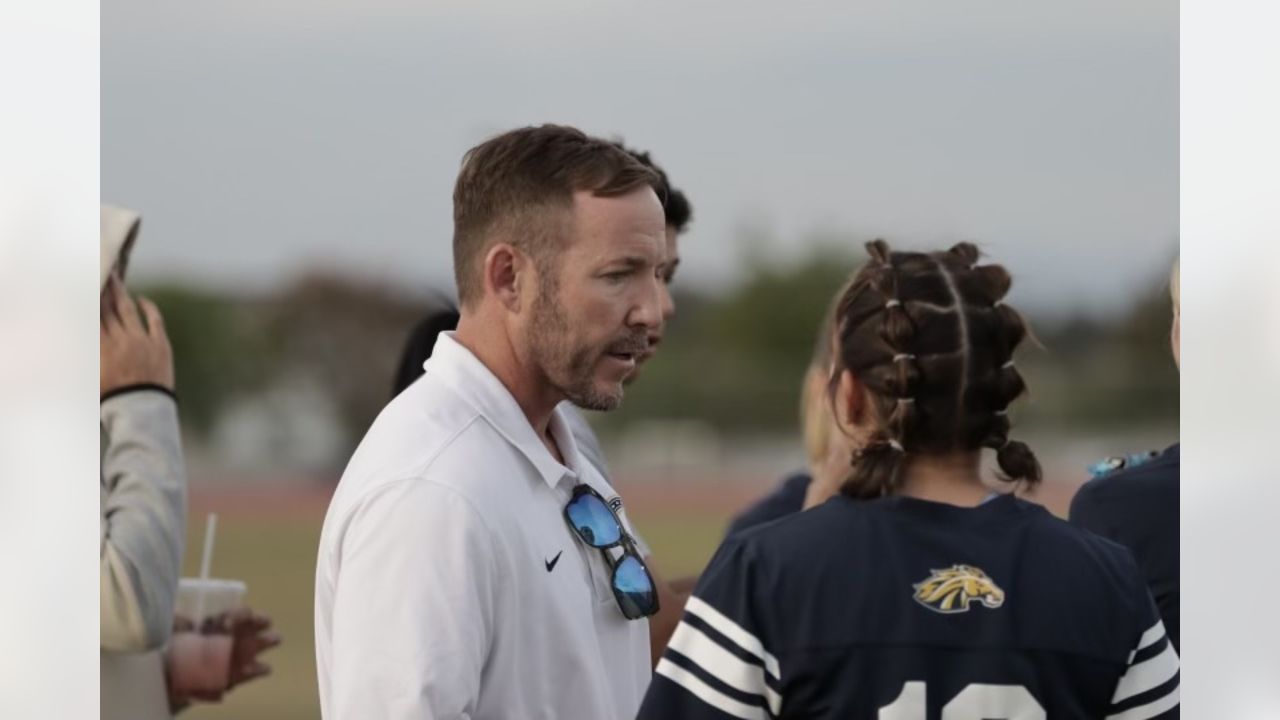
[[49, 184], [1230, 225]]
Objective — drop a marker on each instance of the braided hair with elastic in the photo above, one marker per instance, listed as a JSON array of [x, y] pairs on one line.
[[930, 339]]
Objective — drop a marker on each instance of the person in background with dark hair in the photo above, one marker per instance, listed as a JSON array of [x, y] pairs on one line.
[[678, 212], [918, 591], [473, 563], [417, 349], [1138, 508]]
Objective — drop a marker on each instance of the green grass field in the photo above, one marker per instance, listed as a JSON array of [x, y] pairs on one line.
[[276, 557]]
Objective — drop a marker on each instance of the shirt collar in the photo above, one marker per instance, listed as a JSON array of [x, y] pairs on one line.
[[476, 384]]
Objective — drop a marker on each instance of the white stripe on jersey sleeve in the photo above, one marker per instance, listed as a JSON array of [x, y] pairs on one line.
[[1150, 710], [730, 669], [735, 632], [708, 694], [1150, 637], [1147, 676]]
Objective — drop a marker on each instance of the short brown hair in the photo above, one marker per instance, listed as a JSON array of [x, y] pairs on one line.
[[519, 183]]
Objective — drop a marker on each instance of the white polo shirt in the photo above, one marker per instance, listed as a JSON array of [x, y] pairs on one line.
[[448, 583]]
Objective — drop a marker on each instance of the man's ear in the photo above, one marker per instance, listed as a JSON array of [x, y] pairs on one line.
[[506, 270]]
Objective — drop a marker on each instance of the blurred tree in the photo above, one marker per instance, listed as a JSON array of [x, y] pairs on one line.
[[216, 353], [345, 333], [735, 361], [1106, 373]]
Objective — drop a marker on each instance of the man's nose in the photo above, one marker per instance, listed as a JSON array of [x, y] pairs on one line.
[[668, 302], [649, 308]]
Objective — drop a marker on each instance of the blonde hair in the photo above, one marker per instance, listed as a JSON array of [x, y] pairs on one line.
[[815, 415], [816, 420]]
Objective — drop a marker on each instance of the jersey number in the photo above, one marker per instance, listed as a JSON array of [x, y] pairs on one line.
[[975, 702]]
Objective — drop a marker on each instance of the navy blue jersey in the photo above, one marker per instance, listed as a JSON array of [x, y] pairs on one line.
[[786, 499], [1138, 508], [903, 609]]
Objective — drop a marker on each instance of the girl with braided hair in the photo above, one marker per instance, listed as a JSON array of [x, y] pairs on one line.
[[916, 592], [924, 373]]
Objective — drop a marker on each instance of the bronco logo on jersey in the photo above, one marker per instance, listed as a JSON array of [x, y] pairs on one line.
[[952, 590]]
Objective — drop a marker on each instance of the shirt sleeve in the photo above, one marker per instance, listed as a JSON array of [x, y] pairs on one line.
[[414, 606], [143, 520], [1149, 686], [717, 664]]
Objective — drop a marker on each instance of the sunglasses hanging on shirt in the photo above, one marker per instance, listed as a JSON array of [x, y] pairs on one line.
[[595, 523]]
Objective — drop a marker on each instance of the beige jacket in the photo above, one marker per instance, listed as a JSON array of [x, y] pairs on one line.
[[143, 524]]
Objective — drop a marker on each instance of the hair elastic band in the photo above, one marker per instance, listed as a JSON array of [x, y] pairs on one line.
[[1007, 365], [895, 445], [892, 303], [1002, 412], [903, 356]]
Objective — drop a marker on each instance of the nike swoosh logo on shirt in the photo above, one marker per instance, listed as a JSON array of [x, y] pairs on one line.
[[551, 564]]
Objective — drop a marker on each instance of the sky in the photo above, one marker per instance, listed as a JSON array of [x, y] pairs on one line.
[[262, 138]]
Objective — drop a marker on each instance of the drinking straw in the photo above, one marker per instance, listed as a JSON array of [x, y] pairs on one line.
[[206, 559]]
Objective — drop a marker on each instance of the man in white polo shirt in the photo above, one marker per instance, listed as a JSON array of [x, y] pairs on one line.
[[473, 564]]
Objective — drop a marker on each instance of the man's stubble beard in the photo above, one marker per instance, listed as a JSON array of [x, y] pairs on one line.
[[570, 371]]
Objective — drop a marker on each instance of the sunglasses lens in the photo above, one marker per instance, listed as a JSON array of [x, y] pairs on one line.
[[593, 521], [634, 589]]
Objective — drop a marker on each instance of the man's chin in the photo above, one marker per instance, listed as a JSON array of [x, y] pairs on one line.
[[606, 388], [598, 401], [602, 394]]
